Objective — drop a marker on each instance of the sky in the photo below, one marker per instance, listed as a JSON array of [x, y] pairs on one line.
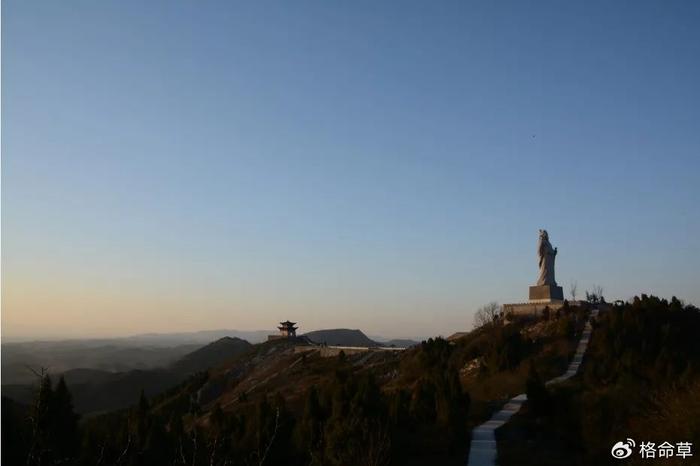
[[178, 166]]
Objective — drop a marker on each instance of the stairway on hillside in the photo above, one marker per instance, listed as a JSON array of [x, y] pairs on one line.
[[484, 450]]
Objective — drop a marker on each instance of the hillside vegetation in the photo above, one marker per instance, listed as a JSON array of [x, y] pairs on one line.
[[640, 380], [271, 404]]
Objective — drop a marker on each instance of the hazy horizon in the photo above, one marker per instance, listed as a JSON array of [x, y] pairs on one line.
[[60, 337], [178, 167]]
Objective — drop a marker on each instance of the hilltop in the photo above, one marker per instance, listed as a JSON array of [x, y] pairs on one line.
[[341, 337], [212, 355]]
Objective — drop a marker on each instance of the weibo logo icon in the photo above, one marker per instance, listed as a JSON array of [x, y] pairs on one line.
[[622, 450]]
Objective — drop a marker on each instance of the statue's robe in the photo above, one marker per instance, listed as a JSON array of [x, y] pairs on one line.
[[547, 255]]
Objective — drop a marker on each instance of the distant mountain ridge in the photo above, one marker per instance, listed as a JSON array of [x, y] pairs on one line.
[[355, 337], [120, 354], [201, 336], [401, 343], [151, 339], [98, 390], [341, 337], [60, 357], [211, 355], [141, 352]]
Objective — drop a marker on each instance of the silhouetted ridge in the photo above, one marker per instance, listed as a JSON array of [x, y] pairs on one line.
[[212, 355], [341, 337], [401, 343]]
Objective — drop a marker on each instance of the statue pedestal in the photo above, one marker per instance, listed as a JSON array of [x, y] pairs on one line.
[[541, 297], [546, 293]]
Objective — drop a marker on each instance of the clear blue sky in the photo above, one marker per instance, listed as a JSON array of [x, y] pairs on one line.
[[381, 165]]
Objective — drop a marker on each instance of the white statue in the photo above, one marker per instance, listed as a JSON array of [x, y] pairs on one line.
[[547, 254]]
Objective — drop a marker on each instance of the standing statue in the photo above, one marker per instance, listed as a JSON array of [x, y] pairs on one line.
[[546, 253]]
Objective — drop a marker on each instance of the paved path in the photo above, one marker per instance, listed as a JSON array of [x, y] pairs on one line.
[[483, 449]]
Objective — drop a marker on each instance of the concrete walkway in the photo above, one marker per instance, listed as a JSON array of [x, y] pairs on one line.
[[483, 449]]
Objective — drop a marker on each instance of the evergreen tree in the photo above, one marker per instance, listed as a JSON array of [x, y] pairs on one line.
[[309, 434], [63, 423], [537, 395]]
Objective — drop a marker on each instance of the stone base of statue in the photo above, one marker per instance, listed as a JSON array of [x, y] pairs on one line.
[[550, 297], [546, 293]]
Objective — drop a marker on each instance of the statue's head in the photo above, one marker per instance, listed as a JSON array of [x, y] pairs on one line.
[[544, 235]]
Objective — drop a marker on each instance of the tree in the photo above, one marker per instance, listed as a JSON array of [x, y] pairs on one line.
[[310, 429], [598, 290], [54, 424], [486, 314], [39, 417], [507, 348], [595, 296], [140, 419], [356, 433], [64, 422], [537, 395], [573, 289]]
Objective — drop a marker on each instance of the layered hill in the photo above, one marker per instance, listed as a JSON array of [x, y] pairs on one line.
[[99, 390], [119, 354], [101, 355]]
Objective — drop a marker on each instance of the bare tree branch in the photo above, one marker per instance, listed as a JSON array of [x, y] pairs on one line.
[[194, 443], [36, 414], [212, 457], [573, 289], [102, 453], [486, 314], [595, 296], [126, 450]]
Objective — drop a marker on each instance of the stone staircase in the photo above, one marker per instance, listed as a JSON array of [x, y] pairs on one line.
[[484, 450]]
